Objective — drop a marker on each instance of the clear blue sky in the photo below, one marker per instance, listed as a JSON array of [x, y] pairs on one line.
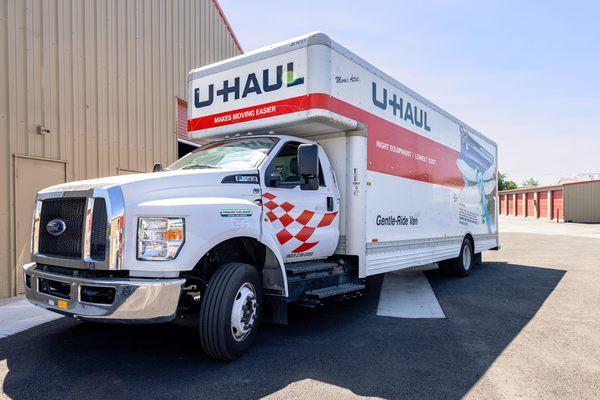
[[527, 74]]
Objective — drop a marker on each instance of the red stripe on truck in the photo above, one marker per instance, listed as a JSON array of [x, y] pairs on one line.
[[272, 109], [391, 149]]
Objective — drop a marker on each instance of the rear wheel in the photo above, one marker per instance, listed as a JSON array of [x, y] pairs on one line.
[[462, 265], [230, 311]]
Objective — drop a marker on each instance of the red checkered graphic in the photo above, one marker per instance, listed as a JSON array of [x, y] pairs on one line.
[[292, 224]]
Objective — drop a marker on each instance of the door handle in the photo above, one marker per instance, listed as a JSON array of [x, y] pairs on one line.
[[329, 203]]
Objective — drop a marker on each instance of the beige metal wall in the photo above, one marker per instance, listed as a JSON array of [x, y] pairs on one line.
[[582, 202], [103, 76]]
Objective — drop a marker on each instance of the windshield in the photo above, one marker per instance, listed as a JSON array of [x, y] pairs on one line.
[[243, 153]]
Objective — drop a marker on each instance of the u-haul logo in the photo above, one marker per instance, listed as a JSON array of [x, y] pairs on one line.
[[268, 80], [400, 108]]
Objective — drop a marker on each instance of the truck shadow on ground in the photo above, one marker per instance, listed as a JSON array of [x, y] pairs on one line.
[[343, 344]]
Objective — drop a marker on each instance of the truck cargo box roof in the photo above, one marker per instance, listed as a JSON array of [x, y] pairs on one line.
[[316, 63]]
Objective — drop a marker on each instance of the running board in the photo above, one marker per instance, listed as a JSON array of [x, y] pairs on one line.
[[304, 267], [331, 291]]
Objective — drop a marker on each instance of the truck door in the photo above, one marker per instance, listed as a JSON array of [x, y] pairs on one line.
[[304, 222]]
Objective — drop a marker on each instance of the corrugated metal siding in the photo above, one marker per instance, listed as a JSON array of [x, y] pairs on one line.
[[511, 204], [582, 202], [103, 76], [503, 204]]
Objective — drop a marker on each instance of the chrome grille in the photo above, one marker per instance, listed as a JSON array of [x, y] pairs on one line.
[[93, 238], [67, 244]]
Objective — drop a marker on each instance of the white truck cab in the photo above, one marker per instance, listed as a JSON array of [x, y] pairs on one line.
[[315, 171]]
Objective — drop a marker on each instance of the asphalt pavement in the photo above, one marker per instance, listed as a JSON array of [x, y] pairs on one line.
[[525, 324]]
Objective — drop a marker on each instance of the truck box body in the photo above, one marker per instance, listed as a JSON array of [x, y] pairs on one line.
[[414, 180]]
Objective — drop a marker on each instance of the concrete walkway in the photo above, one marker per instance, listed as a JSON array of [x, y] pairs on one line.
[[510, 224], [17, 315]]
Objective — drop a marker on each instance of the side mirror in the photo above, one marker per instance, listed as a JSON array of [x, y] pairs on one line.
[[273, 179], [157, 167], [308, 166], [308, 160]]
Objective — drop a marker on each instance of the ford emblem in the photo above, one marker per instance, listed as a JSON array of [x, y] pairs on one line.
[[56, 227]]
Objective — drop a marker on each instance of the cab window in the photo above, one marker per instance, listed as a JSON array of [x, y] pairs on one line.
[[283, 170], [243, 153]]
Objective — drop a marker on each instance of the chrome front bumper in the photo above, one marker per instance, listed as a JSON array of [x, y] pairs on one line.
[[135, 300]]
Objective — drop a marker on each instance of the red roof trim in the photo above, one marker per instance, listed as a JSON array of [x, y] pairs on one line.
[[550, 187], [229, 28], [532, 189]]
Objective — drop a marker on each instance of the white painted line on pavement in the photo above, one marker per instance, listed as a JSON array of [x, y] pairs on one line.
[[408, 294], [17, 315]]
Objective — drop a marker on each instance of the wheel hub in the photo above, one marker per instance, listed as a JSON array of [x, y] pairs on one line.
[[466, 258], [243, 312]]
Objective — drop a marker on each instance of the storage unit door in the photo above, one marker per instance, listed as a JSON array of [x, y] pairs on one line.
[[511, 204], [520, 205], [530, 205], [502, 204], [557, 204], [543, 204]]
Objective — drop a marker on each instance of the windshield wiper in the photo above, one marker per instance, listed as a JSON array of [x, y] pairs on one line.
[[198, 166]]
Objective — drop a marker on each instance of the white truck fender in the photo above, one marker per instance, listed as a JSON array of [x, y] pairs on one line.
[[266, 240], [271, 243]]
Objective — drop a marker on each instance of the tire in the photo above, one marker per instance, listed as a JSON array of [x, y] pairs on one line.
[[229, 293], [457, 266]]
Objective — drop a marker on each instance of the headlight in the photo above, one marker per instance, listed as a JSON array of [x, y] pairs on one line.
[[159, 239]]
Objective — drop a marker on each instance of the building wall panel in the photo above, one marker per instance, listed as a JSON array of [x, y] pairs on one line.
[[582, 202], [103, 76]]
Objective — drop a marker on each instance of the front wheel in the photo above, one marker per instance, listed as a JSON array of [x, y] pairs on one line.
[[230, 311]]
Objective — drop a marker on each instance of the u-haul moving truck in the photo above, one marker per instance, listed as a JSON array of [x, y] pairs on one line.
[[317, 170]]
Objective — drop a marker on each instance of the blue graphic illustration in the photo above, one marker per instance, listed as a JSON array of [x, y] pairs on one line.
[[477, 166]]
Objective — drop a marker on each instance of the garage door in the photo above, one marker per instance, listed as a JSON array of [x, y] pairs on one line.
[[182, 119], [503, 204], [511, 205], [184, 145], [520, 204], [31, 175], [557, 204], [543, 204], [530, 205]]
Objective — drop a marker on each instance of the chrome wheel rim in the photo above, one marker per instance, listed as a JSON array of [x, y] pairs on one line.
[[466, 257], [243, 312]]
